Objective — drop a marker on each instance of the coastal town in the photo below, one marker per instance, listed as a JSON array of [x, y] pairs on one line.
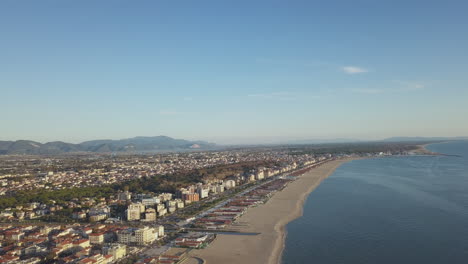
[[90, 209]]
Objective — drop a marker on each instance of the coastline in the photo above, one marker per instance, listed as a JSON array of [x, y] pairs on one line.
[[269, 220], [422, 150]]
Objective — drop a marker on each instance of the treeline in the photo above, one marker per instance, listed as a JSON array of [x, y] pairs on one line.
[[59, 196], [350, 148], [152, 184], [172, 182]]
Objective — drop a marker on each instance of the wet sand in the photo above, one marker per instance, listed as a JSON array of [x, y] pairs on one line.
[[269, 220]]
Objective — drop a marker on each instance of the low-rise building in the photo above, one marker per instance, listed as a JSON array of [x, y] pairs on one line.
[[96, 238]]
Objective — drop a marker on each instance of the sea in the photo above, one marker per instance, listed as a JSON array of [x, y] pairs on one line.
[[407, 209]]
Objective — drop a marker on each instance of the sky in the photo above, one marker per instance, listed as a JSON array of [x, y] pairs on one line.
[[232, 71]]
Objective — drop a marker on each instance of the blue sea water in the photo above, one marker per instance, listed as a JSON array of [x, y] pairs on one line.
[[387, 210]]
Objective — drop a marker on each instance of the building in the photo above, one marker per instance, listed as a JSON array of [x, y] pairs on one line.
[[137, 236], [220, 188], [191, 197], [165, 197], [162, 212], [96, 238], [117, 251], [170, 203], [260, 175], [230, 184], [150, 214], [98, 210], [97, 217], [84, 243], [160, 231], [150, 201], [203, 192], [134, 211], [194, 240], [79, 215], [179, 203], [125, 196]]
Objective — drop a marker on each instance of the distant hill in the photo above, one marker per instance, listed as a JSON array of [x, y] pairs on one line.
[[136, 144], [415, 139]]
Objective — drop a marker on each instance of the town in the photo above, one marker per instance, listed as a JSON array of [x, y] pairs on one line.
[[136, 208]]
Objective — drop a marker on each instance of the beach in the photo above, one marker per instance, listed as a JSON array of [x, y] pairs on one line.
[[269, 220], [422, 150]]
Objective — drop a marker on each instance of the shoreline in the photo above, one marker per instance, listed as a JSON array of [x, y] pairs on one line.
[[280, 227], [422, 150], [269, 220]]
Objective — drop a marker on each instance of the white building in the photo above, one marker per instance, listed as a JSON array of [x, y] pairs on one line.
[[160, 207], [230, 184], [260, 175], [179, 203], [137, 236], [203, 192], [134, 211], [165, 196], [150, 201], [220, 188], [160, 231], [150, 214], [162, 212], [117, 251]]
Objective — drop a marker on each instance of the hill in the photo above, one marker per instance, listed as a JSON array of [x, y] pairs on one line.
[[136, 144]]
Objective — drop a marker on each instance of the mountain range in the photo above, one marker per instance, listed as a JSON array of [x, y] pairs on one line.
[[136, 144]]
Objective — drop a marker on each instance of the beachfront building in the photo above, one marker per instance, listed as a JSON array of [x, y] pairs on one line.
[[160, 207], [194, 240], [162, 212], [160, 230], [191, 197], [179, 203], [260, 175], [202, 192], [230, 184]]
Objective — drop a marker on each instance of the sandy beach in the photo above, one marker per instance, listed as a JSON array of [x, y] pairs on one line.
[[269, 220], [421, 150]]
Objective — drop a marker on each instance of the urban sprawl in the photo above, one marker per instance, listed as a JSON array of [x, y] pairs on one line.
[[135, 208]]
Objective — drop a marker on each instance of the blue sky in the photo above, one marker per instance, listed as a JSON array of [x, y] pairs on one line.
[[233, 71]]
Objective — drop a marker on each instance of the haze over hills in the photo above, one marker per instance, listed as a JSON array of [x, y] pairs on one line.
[[136, 144], [406, 139]]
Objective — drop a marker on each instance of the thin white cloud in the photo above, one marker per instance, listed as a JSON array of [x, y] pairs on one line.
[[187, 98], [411, 86], [368, 91], [353, 70]]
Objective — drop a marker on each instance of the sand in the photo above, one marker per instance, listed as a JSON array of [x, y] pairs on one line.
[[269, 220], [421, 150]]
